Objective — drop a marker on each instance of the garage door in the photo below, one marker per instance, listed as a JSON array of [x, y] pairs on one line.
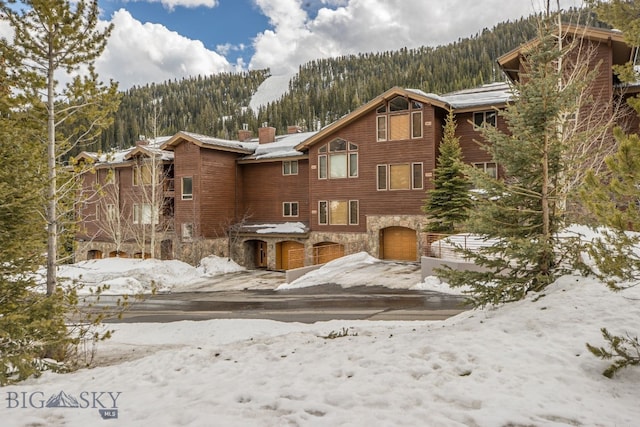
[[290, 255], [327, 251], [398, 243]]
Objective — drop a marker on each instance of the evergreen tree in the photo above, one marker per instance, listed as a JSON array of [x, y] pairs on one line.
[[54, 39], [32, 326], [520, 214], [612, 196], [447, 205]]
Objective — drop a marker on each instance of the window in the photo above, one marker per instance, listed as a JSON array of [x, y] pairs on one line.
[[382, 177], [341, 162], [111, 212], [322, 213], [142, 175], [322, 166], [338, 212], [382, 128], [399, 119], [187, 231], [490, 168], [416, 182], [290, 167], [144, 214], [399, 177], [187, 188], [290, 209], [402, 176], [483, 118], [353, 212]]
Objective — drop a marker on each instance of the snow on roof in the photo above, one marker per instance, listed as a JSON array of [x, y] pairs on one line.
[[121, 156], [219, 142], [489, 94], [284, 146], [283, 227]]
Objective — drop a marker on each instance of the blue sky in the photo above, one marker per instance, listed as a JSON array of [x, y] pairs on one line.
[[159, 40]]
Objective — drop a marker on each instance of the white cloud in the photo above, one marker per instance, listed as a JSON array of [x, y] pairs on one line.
[[172, 4], [373, 26], [139, 53]]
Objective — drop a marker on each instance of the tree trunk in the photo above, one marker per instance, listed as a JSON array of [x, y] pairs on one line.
[[52, 220]]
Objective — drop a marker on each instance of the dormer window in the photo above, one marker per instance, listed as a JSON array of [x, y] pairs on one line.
[[399, 119]]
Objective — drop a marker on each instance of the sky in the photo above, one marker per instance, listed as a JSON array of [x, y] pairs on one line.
[[524, 363], [159, 40]]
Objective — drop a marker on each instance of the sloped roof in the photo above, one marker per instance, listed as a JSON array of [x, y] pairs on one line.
[[121, 157], [205, 141], [283, 147], [418, 95], [492, 94], [510, 61]]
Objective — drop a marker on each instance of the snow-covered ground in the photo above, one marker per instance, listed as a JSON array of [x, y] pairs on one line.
[[521, 364]]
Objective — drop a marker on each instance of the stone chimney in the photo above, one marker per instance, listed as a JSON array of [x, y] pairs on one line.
[[293, 129], [244, 135], [266, 135]]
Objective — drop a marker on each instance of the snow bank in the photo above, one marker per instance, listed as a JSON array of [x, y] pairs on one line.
[[331, 272], [214, 265]]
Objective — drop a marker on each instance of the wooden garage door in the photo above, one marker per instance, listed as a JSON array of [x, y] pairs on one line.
[[399, 243], [325, 252], [291, 255]]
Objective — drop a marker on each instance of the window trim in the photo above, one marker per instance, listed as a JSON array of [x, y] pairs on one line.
[[322, 203], [183, 195], [386, 177], [323, 173], [290, 164], [290, 205], [413, 176], [484, 121], [357, 221]]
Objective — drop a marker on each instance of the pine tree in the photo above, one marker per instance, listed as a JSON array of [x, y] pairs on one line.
[[520, 214], [447, 205], [32, 325], [54, 39], [612, 196]]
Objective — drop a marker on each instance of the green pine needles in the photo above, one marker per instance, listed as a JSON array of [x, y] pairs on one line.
[[447, 205], [522, 211]]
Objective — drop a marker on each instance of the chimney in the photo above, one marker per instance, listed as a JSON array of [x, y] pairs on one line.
[[244, 134], [293, 129], [266, 135]]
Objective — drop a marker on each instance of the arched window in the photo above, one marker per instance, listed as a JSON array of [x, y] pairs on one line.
[[399, 119]]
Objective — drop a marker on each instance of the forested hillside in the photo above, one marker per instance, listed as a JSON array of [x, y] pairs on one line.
[[322, 91]]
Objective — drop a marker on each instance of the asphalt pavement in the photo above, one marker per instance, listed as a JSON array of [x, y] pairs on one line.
[[306, 305]]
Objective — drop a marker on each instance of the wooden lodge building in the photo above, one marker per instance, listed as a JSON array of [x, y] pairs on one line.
[[286, 201]]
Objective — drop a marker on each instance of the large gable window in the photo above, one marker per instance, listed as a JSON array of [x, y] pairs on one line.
[[399, 119], [338, 159]]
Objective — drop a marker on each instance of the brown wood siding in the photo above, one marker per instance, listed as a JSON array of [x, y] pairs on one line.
[[265, 189], [217, 191], [370, 154], [470, 137], [187, 164]]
